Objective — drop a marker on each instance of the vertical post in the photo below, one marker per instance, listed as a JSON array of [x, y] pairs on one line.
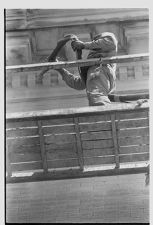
[[114, 134], [46, 80], [23, 79], [131, 72], [79, 145], [138, 72], [8, 161], [15, 80], [123, 73], [38, 79], [54, 78], [31, 79], [145, 70], [42, 147]]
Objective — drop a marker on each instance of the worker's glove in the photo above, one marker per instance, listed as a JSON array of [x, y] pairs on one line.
[[77, 45]]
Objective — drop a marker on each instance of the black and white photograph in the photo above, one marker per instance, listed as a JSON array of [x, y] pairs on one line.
[[77, 129]]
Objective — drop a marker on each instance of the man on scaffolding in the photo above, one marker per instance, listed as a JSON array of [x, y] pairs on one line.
[[99, 81]]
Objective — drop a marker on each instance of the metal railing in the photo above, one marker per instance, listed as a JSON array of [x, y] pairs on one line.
[[87, 62]]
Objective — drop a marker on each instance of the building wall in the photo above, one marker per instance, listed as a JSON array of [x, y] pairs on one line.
[[32, 34]]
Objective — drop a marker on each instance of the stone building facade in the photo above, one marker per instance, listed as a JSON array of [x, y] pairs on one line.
[[31, 35]]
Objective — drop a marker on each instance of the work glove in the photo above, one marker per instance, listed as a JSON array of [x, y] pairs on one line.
[[77, 45]]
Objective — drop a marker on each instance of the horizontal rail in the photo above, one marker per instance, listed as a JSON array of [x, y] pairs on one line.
[[87, 62], [60, 113]]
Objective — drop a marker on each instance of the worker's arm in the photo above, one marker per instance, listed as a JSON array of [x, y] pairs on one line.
[[106, 44], [71, 80]]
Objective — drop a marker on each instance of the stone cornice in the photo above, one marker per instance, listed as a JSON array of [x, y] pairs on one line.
[[45, 18], [137, 30]]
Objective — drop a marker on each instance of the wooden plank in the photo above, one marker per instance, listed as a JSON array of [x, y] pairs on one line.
[[29, 141], [132, 115], [134, 157], [85, 62], [134, 149], [71, 173], [133, 140], [133, 123], [64, 138], [42, 147], [93, 118], [81, 112], [25, 149], [61, 147], [96, 135], [60, 154], [26, 166], [99, 160], [98, 152], [78, 143], [25, 157], [129, 97], [95, 126], [97, 144], [115, 140], [62, 163], [133, 132], [21, 132], [21, 124], [59, 129], [57, 121]]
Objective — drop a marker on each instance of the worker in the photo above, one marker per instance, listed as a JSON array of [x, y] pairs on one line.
[[99, 81]]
